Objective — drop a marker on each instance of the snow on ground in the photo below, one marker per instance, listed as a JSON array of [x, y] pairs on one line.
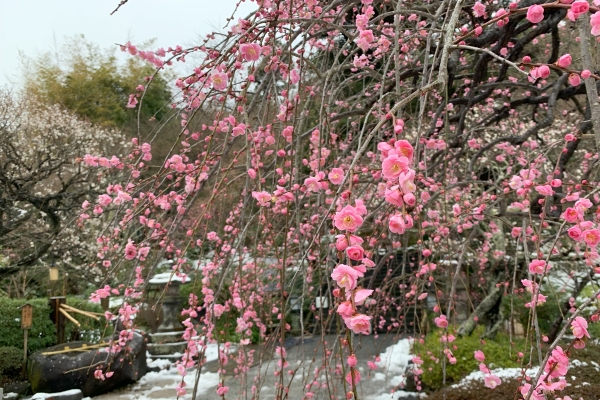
[[397, 395], [502, 373], [43, 396], [159, 363], [380, 384], [391, 371], [153, 382], [149, 386]]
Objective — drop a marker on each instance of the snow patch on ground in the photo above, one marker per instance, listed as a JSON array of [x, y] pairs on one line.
[[502, 373], [392, 368], [577, 363], [159, 363], [42, 396], [169, 379]]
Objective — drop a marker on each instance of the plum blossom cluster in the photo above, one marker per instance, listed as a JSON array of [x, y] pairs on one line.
[[400, 180], [348, 220], [351, 296]]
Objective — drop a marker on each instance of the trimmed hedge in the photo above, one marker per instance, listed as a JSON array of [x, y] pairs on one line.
[[42, 333], [11, 363], [11, 360]]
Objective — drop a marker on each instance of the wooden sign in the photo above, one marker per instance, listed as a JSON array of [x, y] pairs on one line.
[[26, 316]]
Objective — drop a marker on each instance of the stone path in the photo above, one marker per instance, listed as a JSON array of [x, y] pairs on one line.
[[375, 385]]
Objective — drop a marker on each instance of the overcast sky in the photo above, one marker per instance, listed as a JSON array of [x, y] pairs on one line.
[[34, 26]]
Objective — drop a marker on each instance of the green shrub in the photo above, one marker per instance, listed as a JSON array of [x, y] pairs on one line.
[[496, 355], [11, 361], [190, 287], [547, 313], [42, 333]]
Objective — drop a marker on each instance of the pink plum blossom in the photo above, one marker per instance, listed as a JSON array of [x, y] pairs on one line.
[[535, 13], [404, 149], [250, 51], [579, 327], [360, 295], [336, 176], [393, 166], [595, 22], [544, 190], [345, 276], [355, 253], [263, 198], [580, 7], [591, 237], [130, 251], [491, 381], [574, 79], [219, 80], [348, 219], [575, 233], [479, 9], [132, 102], [345, 309], [564, 61], [441, 321], [352, 361], [538, 266], [479, 356], [359, 323]]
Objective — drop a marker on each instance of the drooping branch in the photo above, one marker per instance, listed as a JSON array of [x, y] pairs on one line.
[[590, 83]]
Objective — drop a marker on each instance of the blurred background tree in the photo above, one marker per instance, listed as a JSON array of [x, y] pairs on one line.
[[95, 84]]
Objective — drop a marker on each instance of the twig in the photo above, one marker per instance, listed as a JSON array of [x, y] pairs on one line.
[[491, 53], [119, 6]]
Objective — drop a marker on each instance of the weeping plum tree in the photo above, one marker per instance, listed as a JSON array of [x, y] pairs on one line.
[[383, 156]]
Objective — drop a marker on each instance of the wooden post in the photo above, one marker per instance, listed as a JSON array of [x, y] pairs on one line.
[[26, 322], [25, 345], [104, 302], [58, 318]]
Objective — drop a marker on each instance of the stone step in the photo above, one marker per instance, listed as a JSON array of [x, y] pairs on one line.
[[165, 337], [166, 348], [172, 357]]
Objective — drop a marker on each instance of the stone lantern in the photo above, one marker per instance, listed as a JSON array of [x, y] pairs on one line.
[[165, 288]]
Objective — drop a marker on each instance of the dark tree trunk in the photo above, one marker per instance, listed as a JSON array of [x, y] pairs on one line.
[[488, 310]]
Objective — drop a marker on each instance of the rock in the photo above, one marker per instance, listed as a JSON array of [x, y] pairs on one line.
[[18, 389], [410, 385], [73, 394], [53, 373], [163, 349]]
